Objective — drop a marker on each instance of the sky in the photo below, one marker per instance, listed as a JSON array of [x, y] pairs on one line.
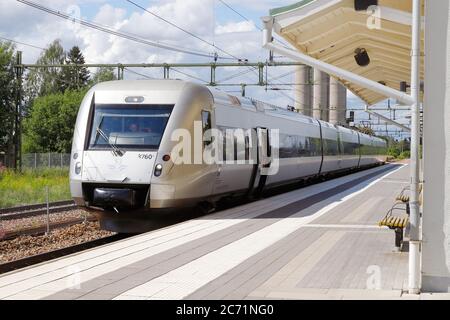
[[210, 20]]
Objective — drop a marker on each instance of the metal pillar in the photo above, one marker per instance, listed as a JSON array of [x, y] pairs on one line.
[[415, 238], [303, 91], [166, 72], [120, 72], [213, 76], [320, 99], [334, 101], [261, 81], [342, 106]]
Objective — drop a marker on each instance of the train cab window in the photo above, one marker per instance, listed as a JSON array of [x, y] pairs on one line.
[[128, 126]]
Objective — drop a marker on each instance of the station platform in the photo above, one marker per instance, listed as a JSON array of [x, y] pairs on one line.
[[319, 242]]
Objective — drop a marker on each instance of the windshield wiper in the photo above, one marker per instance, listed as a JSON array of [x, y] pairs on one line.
[[115, 150]]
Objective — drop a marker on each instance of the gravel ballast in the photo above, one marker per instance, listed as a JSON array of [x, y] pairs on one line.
[[26, 246], [9, 225]]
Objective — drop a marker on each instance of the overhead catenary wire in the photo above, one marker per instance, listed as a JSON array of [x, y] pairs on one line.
[[23, 43], [117, 33], [184, 30], [139, 74], [283, 75], [195, 36], [238, 13], [190, 33], [279, 41], [187, 74], [235, 76], [248, 20], [203, 40]]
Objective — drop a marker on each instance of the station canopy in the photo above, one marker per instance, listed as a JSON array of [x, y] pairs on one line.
[[340, 31]]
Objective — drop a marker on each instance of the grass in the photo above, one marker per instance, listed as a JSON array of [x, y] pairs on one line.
[[29, 187]]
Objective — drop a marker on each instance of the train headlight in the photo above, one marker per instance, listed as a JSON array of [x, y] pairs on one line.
[[158, 170], [78, 168]]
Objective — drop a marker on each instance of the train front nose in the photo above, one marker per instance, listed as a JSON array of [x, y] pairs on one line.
[[116, 198], [116, 182]]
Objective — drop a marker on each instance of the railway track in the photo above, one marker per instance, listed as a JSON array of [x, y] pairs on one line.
[[14, 214], [22, 212], [42, 229], [29, 261]]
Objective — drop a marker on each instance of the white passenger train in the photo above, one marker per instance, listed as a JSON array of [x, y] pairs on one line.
[[124, 160]]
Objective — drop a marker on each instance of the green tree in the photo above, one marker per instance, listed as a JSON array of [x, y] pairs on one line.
[[103, 74], [399, 149], [50, 126], [366, 130], [44, 81], [75, 77], [8, 96]]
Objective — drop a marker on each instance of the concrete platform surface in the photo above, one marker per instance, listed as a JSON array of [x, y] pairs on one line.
[[319, 242]]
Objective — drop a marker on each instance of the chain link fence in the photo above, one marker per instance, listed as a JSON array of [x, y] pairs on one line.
[[45, 160]]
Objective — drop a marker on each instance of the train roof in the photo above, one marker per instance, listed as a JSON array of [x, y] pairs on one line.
[[259, 106], [219, 97], [141, 85], [276, 111]]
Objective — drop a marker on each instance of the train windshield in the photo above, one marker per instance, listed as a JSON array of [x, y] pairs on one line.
[[128, 126]]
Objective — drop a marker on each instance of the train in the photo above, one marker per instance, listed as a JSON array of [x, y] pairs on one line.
[[150, 146]]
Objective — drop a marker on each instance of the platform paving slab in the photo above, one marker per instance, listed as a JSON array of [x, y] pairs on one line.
[[319, 242]]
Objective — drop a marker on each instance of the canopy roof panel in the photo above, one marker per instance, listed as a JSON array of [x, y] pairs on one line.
[[331, 31]]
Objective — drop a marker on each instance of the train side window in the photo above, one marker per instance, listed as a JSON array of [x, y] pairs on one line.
[[269, 144], [247, 146], [206, 125], [340, 149], [224, 146], [235, 148]]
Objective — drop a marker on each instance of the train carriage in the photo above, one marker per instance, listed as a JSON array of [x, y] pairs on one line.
[[161, 144]]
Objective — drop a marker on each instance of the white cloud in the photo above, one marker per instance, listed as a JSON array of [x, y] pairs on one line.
[[236, 37], [233, 27]]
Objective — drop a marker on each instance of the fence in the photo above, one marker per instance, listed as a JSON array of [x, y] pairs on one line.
[[45, 160]]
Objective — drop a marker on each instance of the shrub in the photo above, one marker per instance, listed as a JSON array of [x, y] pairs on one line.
[[405, 155]]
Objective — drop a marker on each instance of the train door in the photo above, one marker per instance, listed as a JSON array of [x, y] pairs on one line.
[[359, 149], [233, 171], [262, 162], [208, 119]]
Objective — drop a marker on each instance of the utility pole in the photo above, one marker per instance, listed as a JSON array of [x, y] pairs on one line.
[[415, 234], [17, 163]]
